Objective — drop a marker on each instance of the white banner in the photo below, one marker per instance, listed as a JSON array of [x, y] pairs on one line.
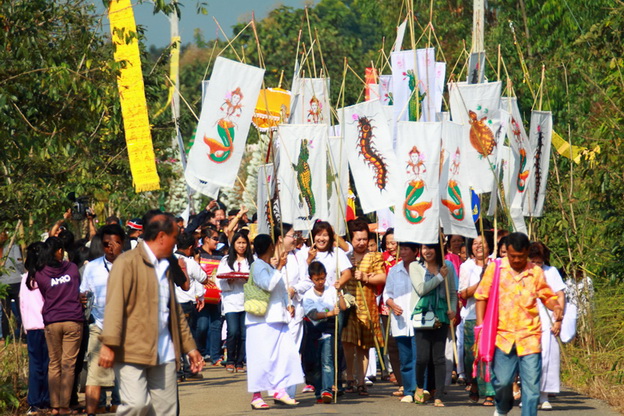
[[385, 89], [231, 97], [312, 104], [266, 188], [455, 196], [477, 106], [337, 183], [385, 220], [540, 137], [302, 174], [371, 158], [417, 207]]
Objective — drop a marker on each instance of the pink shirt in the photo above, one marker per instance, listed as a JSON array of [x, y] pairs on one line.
[[31, 305]]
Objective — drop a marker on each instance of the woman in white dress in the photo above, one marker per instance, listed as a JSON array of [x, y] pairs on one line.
[[272, 358], [539, 255]]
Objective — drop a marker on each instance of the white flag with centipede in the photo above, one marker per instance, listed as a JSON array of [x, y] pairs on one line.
[[417, 206], [373, 164], [302, 173], [455, 196], [477, 107], [540, 137]]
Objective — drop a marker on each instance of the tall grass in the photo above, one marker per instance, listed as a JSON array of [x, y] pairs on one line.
[[594, 363], [13, 374]]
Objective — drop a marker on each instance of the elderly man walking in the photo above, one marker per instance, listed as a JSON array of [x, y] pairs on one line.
[[144, 331]]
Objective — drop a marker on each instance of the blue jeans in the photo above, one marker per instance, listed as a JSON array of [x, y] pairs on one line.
[[208, 332], [235, 342], [323, 373], [504, 369], [407, 356], [38, 360]]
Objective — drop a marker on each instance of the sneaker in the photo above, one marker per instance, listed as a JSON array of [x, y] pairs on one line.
[[33, 410], [367, 381], [207, 357], [327, 397], [407, 399], [308, 388], [546, 406]]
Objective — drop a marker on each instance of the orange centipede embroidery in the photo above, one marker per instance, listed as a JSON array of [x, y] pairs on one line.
[[369, 152]]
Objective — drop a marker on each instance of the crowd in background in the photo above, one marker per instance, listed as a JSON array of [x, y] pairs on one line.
[[359, 291]]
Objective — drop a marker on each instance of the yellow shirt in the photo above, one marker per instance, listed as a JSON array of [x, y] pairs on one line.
[[518, 315]]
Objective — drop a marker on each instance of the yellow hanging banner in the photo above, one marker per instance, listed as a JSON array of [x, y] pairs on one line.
[[132, 97]]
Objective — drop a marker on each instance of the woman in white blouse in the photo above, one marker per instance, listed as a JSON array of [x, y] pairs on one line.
[[469, 277], [272, 358], [401, 301], [230, 279]]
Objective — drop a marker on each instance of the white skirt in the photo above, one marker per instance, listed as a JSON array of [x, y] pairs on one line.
[[273, 361]]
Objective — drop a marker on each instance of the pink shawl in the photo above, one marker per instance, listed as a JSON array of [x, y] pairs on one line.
[[485, 334]]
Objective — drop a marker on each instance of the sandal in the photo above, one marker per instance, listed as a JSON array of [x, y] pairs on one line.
[[259, 404], [362, 391], [419, 397], [474, 397], [489, 401], [350, 386], [438, 403]]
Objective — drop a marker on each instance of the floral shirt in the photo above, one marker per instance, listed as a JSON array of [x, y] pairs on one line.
[[518, 315]]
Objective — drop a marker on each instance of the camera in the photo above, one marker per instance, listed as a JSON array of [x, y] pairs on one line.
[[80, 208]]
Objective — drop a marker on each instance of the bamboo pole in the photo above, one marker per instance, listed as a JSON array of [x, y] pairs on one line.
[[448, 302]]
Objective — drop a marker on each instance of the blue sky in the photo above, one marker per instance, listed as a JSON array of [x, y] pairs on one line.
[[227, 12]]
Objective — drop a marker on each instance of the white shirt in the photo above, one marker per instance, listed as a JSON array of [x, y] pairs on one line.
[[329, 261], [295, 274], [554, 280], [197, 276], [166, 352], [95, 280], [232, 296], [321, 303], [399, 288], [469, 275], [270, 279]]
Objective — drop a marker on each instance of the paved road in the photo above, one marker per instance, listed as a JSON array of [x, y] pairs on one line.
[[222, 393]]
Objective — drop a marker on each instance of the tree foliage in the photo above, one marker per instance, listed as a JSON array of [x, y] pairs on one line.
[[60, 114]]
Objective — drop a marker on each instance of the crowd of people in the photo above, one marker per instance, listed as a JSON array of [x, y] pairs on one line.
[[150, 302]]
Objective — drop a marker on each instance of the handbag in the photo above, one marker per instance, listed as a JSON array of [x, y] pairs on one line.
[[425, 320], [256, 298]]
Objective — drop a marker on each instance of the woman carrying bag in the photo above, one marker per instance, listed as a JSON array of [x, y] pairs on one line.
[[273, 361], [431, 318]]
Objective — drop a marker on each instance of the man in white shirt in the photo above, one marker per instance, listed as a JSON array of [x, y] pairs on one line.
[[94, 283], [192, 300], [144, 331]]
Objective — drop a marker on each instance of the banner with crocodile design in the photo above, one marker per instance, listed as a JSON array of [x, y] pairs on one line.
[[302, 174]]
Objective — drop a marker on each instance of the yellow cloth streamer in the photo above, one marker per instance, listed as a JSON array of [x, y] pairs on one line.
[[574, 153], [132, 97]]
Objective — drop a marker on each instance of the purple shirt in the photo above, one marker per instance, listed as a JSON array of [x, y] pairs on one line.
[[61, 296]]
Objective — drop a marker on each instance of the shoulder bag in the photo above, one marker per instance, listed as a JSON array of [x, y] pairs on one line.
[[256, 298]]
